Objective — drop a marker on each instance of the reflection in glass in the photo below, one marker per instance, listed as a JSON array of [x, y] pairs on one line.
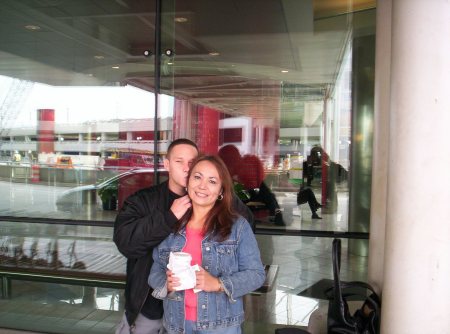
[[84, 111], [79, 131], [63, 153]]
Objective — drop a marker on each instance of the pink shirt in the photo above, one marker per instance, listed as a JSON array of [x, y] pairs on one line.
[[193, 246]]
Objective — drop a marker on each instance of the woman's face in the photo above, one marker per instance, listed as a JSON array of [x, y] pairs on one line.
[[205, 185]]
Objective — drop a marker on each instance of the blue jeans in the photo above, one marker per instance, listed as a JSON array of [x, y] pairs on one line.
[[142, 324], [189, 328]]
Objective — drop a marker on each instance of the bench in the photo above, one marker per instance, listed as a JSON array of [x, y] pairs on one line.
[[91, 266]]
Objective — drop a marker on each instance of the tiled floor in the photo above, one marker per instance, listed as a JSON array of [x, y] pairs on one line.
[[302, 261]]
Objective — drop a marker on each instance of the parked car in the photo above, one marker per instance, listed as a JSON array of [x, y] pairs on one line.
[[109, 194], [126, 161]]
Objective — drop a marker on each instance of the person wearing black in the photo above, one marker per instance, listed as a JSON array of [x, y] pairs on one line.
[[306, 195], [145, 220], [308, 170]]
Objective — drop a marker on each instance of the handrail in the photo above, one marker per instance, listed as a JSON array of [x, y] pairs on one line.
[[260, 231]]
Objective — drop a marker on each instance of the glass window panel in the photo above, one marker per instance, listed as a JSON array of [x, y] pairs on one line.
[[76, 105], [83, 111], [269, 85], [279, 90], [82, 253]]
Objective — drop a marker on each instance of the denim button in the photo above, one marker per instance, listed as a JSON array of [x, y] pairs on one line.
[[204, 326], [203, 306], [208, 249]]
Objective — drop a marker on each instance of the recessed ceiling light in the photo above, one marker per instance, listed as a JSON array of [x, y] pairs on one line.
[[284, 71], [180, 19], [99, 57], [32, 27], [169, 63], [116, 67], [214, 53]]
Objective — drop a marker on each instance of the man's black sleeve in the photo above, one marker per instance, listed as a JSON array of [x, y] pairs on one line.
[[140, 225]]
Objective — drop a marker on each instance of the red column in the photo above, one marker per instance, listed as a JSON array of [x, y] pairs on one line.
[[207, 130], [46, 130]]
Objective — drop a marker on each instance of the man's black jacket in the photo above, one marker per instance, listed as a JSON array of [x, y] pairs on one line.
[[143, 222]]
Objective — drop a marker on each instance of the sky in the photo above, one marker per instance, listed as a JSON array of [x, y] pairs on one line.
[[78, 104]]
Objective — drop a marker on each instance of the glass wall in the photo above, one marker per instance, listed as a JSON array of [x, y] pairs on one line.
[[270, 90], [92, 92], [78, 104]]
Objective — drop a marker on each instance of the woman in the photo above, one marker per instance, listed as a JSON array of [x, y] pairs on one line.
[[224, 247]]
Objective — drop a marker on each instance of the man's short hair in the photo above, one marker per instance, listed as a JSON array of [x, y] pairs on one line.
[[180, 141]]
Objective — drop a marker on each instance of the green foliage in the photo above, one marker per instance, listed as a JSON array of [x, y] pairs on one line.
[[241, 192], [109, 191]]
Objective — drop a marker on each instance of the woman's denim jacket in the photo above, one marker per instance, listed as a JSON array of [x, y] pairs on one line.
[[235, 261]]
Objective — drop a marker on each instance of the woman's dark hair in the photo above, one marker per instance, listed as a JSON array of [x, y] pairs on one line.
[[221, 217]]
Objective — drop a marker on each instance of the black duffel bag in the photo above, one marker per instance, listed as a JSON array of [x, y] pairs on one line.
[[366, 319]]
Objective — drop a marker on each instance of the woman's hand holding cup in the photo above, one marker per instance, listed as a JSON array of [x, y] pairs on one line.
[[206, 282], [172, 281]]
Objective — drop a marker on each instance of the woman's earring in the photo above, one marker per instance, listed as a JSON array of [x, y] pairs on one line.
[[185, 189], [220, 197]]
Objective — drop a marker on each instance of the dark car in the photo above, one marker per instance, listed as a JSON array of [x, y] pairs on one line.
[[109, 194]]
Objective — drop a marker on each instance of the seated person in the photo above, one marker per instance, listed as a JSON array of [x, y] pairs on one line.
[[251, 175], [248, 174], [232, 158], [307, 195]]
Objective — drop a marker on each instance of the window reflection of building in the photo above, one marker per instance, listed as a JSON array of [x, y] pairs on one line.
[[241, 95]]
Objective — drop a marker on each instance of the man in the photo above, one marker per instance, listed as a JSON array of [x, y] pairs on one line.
[[146, 219], [307, 195]]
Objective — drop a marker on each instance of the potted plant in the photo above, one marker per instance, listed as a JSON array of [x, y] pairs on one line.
[[109, 195], [241, 192]]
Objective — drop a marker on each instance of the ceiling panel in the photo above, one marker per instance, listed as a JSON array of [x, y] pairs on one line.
[[78, 42]]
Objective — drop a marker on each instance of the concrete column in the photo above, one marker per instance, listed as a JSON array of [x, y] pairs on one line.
[[416, 289], [380, 143], [363, 68]]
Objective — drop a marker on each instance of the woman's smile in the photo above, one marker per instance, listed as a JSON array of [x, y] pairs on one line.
[[200, 194]]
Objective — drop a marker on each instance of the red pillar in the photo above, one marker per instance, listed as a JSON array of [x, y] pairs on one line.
[[46, 130], [207, 130]]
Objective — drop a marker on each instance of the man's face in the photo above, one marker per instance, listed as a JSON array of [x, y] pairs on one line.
[[178, 164]]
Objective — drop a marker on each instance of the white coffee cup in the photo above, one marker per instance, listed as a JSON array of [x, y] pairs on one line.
[[180, 265]]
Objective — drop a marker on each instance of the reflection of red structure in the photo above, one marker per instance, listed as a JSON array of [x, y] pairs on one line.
[[35, 177], [126, 159], [211, 129], [135, 181], [325, 177], [129, 185], [208, 134], [46, 130]]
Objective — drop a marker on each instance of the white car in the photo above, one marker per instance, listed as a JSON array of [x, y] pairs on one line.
[[109, 194]]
